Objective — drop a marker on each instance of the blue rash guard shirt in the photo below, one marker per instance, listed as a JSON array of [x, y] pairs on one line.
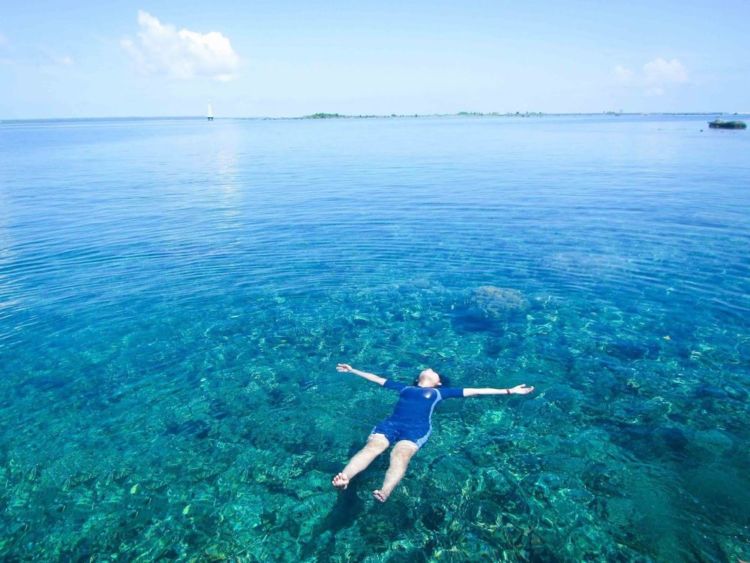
[[412, 416]]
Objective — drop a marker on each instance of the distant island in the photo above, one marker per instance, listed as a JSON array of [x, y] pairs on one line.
[[327, 115], [334, 115], [324, 115]]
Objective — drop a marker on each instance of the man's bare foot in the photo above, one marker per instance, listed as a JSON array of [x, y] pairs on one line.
[[380, 495], [340, 481]]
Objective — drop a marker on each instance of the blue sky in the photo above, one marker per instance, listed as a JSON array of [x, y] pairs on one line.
[[151, 58]]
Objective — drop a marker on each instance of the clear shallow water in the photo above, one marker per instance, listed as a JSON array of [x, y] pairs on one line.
[[174, 296]]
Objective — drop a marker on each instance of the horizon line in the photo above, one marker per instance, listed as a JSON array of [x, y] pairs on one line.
[[335, 115]]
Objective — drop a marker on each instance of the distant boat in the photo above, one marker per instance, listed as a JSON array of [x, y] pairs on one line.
[[210, 114], [720, 124]]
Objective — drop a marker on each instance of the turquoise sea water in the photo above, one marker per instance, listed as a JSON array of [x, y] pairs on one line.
[[175, 295]]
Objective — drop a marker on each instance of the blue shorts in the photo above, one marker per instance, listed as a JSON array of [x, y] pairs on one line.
[[396, 431]]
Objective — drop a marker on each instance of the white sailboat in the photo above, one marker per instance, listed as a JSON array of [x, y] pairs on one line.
[[210, 114]]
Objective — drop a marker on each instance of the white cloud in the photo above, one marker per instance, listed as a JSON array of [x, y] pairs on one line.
[[655, 77], [622, 74], [56, 58], [162, 49], [4, 42], [660, 71]]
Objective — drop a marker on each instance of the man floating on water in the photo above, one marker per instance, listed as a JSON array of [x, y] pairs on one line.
[[410, 424]]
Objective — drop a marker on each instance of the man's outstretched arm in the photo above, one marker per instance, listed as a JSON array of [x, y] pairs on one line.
[[346, 368], [517, 390]]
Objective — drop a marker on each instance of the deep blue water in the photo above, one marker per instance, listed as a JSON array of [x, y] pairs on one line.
[[175, 295]]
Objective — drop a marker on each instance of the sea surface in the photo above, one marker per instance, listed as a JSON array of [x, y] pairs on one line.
[[175, 296]]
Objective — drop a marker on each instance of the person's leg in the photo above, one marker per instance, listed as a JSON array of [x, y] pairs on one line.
[[376, 445], [400, 456]]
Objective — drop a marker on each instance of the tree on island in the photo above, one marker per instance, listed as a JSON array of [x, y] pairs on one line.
[[323, 115]]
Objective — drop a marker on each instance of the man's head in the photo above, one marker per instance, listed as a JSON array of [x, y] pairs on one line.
[[430, 378]]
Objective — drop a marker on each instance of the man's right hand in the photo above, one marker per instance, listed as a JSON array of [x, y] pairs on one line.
[[522, 389], [343, 368]]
